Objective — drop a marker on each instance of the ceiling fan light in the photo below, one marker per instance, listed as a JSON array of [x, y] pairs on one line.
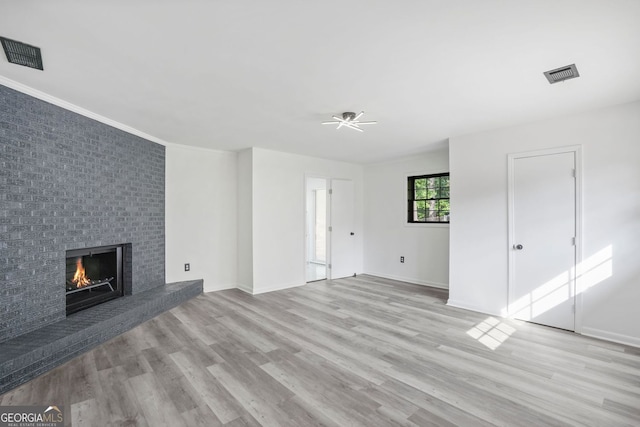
[[350, 119], [349, 116]]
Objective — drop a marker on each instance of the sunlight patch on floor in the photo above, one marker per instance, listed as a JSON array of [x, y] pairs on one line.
[[491, 332]]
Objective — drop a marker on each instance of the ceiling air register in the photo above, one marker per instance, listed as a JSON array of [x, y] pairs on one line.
[[561, 74], [22, 53]]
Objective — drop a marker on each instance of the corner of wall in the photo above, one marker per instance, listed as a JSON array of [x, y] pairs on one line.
[[244, 233], [202, 216]]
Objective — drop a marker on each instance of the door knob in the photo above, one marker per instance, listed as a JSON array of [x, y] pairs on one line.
[[518, 247]]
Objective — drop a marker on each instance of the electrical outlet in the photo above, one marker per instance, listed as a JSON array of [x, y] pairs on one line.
[[187, 267], [402, 259]]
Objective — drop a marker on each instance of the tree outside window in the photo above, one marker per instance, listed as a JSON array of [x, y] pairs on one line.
[[428, 198]]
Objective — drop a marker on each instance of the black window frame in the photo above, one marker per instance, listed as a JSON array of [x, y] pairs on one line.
[[412, 199]]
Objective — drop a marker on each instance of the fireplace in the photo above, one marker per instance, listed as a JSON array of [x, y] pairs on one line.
[[93, 276]]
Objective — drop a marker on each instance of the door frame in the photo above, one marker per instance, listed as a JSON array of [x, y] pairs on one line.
[[511, 157], [327, 213]]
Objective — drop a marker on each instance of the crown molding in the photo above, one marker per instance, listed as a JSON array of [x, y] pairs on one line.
[[79, 110]]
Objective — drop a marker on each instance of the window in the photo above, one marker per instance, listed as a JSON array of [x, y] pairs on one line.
[[428, 200]]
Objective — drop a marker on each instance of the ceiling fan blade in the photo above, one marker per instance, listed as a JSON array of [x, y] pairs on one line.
[[353, 126]]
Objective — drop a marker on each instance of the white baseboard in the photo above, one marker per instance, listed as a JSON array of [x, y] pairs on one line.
[[244, 288], [611, 336], [251, 291], [218, 287], [409, 280], [466, 306], [276, 288]]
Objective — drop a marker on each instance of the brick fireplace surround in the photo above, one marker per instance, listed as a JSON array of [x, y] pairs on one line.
[[69, 182]]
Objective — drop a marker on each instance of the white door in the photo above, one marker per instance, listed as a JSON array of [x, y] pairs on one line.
[[341, 230], [542, 239]]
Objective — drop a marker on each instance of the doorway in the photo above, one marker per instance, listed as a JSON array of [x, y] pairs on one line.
[[316, 229], [543, 231]]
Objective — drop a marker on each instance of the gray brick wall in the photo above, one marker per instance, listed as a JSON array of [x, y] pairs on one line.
[[68, 182]]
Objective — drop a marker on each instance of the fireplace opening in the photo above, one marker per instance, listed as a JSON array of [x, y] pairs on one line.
[[93, 276]]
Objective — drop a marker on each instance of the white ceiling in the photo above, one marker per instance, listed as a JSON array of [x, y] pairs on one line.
[[238, 73]]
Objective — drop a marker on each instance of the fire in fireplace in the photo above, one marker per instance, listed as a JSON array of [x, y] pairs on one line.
[[93, 276]]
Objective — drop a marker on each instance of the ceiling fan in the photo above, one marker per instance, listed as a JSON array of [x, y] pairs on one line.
[[350, 120]]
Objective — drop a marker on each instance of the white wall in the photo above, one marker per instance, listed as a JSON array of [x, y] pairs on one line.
[[279, 214], [611, 216], [245, 220], [387, 235], [201, 216]]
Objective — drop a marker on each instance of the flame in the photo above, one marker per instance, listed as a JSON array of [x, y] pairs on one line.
[[80, 279]]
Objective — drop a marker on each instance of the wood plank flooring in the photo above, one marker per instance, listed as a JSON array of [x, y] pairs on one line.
[[361, 351]]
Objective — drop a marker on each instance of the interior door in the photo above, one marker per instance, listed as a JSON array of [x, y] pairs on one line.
[[542, 240], [341, 230]]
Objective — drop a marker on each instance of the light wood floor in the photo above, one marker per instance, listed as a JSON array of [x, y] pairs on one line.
[[353, 352]]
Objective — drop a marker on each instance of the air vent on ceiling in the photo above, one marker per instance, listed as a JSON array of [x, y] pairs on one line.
[[561, 74], [22, 54]]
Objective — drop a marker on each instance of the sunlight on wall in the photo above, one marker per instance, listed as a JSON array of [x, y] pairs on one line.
[[491, 332], [590, 272], [595, 269]]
